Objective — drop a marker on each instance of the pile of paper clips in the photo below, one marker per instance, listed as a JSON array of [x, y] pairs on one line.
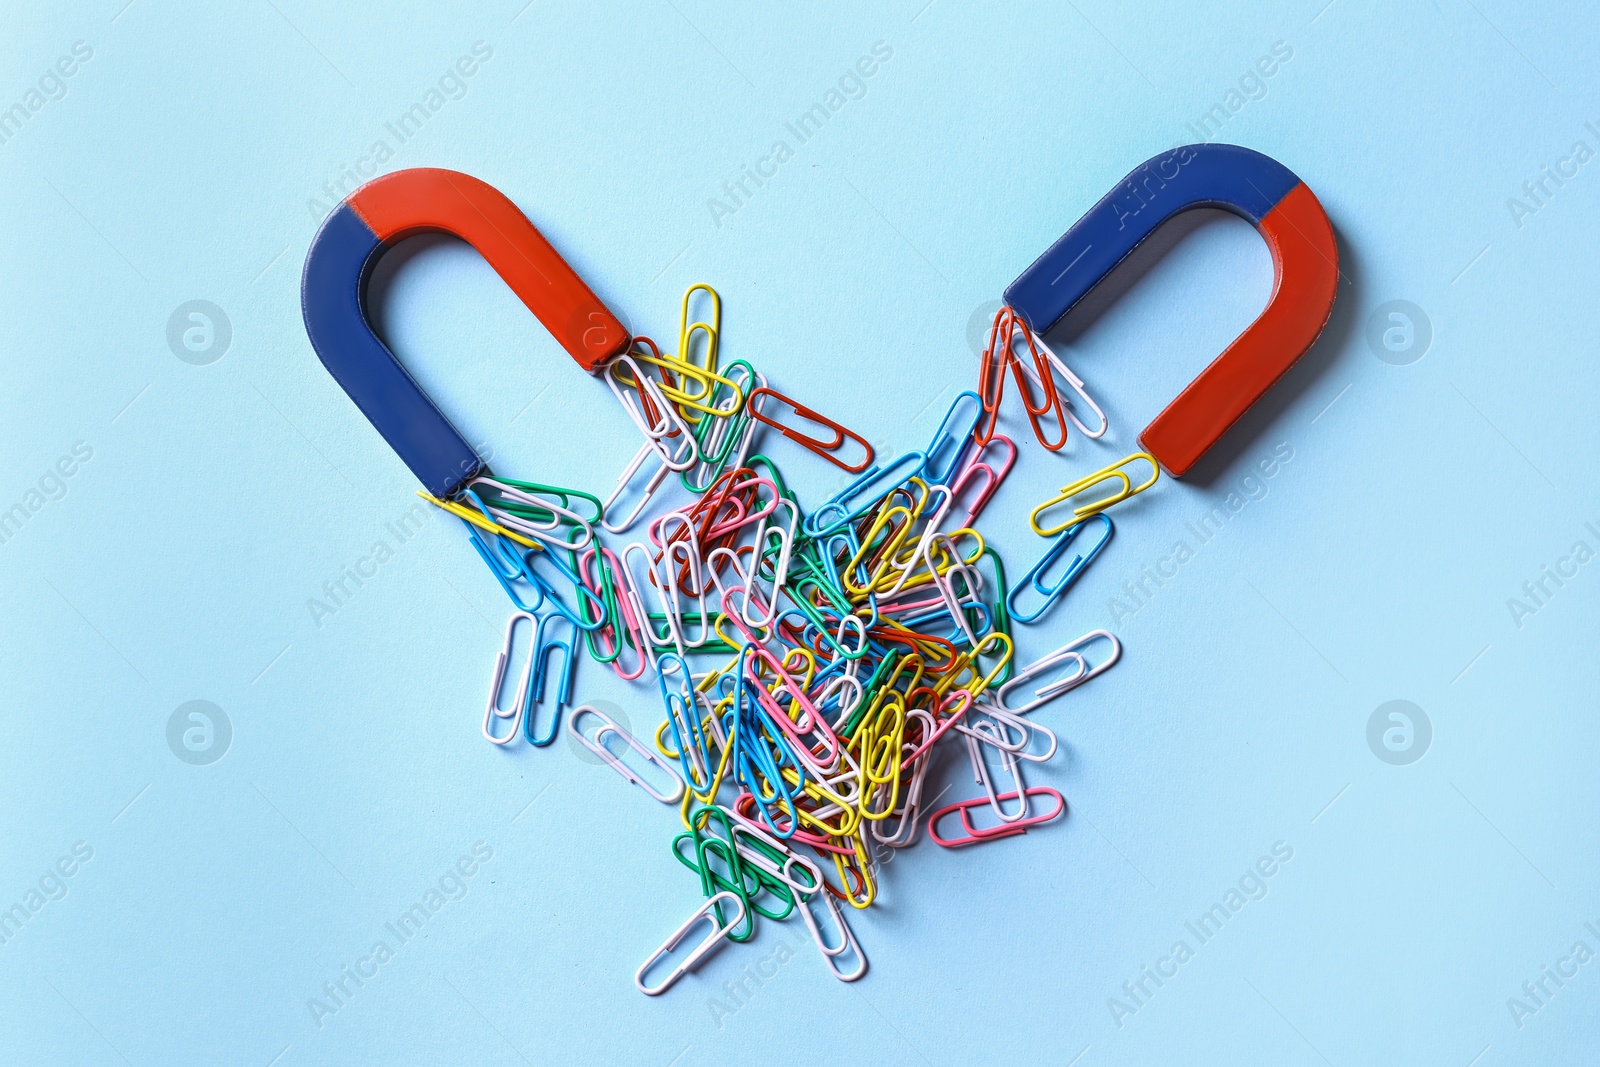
[[808, 663]]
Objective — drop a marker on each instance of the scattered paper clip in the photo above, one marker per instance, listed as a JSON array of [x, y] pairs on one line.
[[493, 709], [709, 911], [1033, 580], [975, 835], [811, 665], [1084, 484], [828, 448], [951, 439], [1069, 655], [544, 645], [598, 746], [991, 477]]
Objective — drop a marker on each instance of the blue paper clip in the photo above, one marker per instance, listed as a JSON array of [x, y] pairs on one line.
[[683, 716], [507, 566], [872, 486], [543, 645], [755, 765], [1079, 563], [544, 586], [944, 451]]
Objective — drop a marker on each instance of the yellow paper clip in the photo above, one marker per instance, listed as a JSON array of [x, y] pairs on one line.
[[712, 331], [477, 519], [1084, 484]]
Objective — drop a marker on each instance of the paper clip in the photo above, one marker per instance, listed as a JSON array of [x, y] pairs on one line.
[[950, 440], [1058, 547], [823, 448], [648, 412], [475, 518], [976, 738], [684, 717], [1042, 377], [492, 709], [992, 375], [711, 331], [655, 416], [1076, 382], [1002, 720], [991, 477], [719, 930], [978, 834], [1077, 387], [612, 760], [723, 439], [870, 487], [625, 479], [1084, 484], [765, 535], [543, 646], [568, 571], [759, 849], [1069, 653], [847, 939], [622, 625], [517, 507]]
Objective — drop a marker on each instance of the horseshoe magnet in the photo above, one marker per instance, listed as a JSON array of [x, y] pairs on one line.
[[333, 301], [1305, 261]]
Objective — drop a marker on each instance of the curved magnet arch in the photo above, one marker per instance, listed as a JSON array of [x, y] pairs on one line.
[[1305, 260], [333, 302]]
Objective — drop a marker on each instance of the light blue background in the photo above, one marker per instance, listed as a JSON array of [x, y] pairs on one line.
[[220, 498]]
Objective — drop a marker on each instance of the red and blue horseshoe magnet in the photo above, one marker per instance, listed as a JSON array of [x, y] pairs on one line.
[[333, 300], [1305, 261]]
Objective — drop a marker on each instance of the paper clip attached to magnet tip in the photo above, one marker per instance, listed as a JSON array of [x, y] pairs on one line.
[[826, 448], [1094, 507], [1034, 578], [1054, 362], [719, 930], [478, 519]]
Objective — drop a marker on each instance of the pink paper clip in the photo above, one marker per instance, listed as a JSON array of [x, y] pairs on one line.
[[991, 477], [976, 834]]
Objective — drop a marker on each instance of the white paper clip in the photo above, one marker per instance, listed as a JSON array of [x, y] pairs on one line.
[[491, 708], [612, 760], [1069, 652], [718, 932]]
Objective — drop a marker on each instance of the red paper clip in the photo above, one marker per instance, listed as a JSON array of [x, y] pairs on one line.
[[1001, 356], [825, 449]]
